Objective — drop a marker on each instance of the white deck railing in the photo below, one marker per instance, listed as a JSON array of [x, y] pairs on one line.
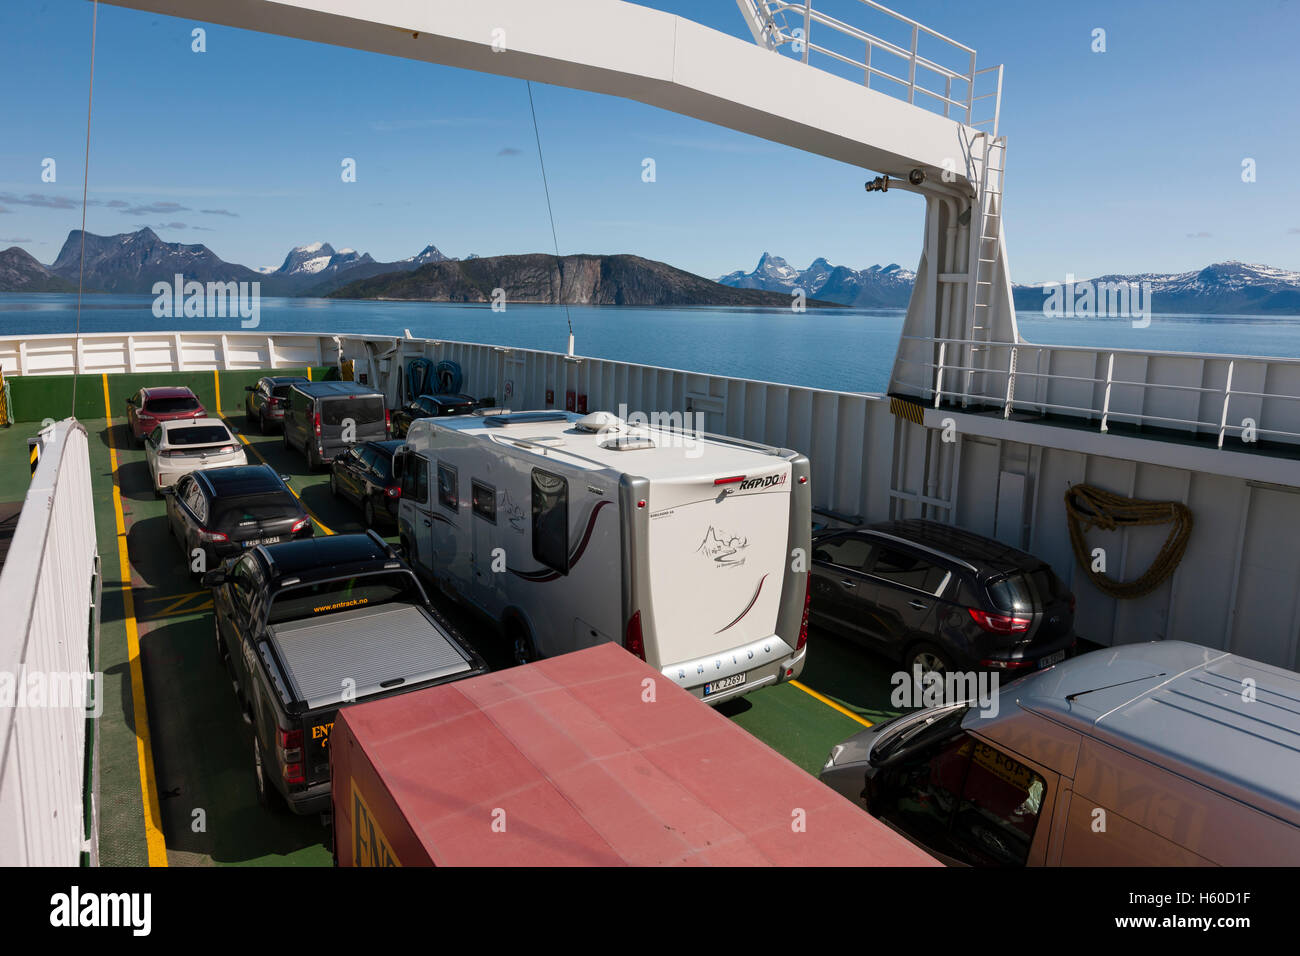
[[904, 70], [1255, 397], [49, 593]]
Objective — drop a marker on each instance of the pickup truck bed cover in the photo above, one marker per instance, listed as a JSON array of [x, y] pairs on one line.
[[562, 762], [318, 654]]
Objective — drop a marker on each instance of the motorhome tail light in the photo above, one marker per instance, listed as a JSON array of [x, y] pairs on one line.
[[728, 481], [641, 503], [803, 625], [210, 536], [1000, 623], [299, 525], [803, 479], [316, 422], [634, 642], [393, 491]]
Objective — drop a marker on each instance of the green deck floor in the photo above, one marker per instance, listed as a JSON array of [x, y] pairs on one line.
[[202, 750]]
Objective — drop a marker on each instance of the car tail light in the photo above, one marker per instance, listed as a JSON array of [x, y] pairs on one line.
[[999, 665], [272, 402], [225, 449], [291, 755], [393, 491], [210, 536], [1000, 623], [388, 422], [299, 525], [634, 642], [803, 625], [316, 423]]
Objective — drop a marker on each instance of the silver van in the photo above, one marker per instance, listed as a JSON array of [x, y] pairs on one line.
[[1159, 754]]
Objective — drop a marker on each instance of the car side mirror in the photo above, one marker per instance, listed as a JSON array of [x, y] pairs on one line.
[[168, 492], [131, 402], [250, 388], [213, 579], [286, 478]]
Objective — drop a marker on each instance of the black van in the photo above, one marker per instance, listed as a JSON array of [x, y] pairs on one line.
[[317, 416]]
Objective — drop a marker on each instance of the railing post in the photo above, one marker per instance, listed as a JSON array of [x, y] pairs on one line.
[[911, 69], [970, 94], [938, 375], [867, 78], [947, 96], [1011, 384], [1227, 397], [807, 28], [1105, 405]]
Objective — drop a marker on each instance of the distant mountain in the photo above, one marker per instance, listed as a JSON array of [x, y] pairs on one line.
[[20, 272], [1224, 287], [879, 287], [134, 261], [582, 279]]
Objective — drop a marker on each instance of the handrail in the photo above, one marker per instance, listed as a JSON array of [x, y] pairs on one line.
[[767, 20]]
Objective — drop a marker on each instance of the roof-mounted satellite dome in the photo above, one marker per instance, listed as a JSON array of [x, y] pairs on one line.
[[599, 421]]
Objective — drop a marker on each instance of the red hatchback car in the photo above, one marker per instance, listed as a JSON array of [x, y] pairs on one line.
[[150, 407]]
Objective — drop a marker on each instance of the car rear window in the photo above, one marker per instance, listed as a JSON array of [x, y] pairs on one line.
[[329, 597], [335, 410], [198, 435], [1026, 591], [268, 506], [280, 391], [182, 403]]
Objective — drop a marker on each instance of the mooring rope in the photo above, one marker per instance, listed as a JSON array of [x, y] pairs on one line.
[[1087, 507]]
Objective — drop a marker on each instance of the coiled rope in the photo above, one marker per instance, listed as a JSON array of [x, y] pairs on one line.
[[1087, 507]]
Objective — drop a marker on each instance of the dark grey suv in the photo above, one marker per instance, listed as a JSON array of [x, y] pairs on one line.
[[928, 594]]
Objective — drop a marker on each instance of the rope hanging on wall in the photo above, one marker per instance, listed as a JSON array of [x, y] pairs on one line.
[[1087, 507]]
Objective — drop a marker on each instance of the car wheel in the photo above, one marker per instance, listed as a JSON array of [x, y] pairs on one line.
[[267, 795], [368, 513], [522, 650], [928, 658], [261, 424], [248, 414], [334, 484], [284, 437]]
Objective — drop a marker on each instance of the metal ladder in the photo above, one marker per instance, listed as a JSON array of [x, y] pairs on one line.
[[985, 249]]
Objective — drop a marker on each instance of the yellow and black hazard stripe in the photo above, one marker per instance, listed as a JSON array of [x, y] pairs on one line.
[[904, 408]]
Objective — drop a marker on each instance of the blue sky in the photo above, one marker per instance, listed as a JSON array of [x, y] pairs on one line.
[[1123, 161]]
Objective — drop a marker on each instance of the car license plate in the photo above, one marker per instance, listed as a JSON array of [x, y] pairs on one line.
[[1051, 659], [735, 680], [274, 539]]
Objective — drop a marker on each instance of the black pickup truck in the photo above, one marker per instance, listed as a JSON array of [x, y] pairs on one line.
[[309, 626]]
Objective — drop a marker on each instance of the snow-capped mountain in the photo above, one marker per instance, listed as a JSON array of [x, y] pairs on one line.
[[320, 259], [877, 287], [429, 253], [1224, 287]]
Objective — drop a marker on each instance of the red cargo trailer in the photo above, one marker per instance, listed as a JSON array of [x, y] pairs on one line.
[[588, 759]]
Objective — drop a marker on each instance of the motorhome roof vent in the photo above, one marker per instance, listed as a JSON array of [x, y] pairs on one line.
[[523, 418], [628, 443], [598, 421]]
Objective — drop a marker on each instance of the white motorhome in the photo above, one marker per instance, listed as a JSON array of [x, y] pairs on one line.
[[690, 550]]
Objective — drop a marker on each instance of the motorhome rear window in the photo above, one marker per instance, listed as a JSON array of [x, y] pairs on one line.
[[551, 520], [484, 501], [335, 410], [329, 597], [183, 403]]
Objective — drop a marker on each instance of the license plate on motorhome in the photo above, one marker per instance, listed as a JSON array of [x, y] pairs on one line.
[[1051, 659], [735, 680]]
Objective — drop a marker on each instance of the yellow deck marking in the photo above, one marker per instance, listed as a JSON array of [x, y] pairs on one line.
[[216, 380], [240, 435], [157, 846], [831, 704]]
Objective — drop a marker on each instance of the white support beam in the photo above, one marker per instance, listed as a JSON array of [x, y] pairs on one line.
[[620, 49]]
